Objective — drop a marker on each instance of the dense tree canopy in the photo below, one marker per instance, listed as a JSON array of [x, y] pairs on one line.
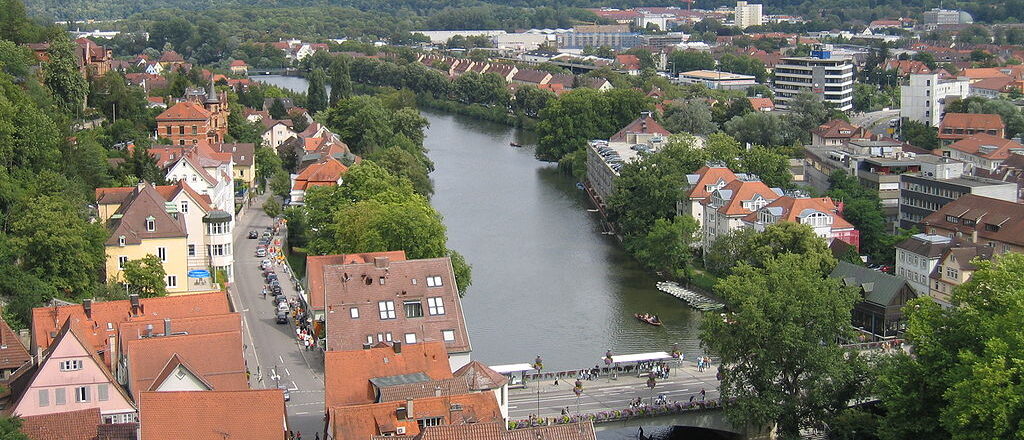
[[583, 114]]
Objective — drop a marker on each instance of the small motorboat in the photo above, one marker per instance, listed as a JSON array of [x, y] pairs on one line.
[[513, 144], [652, 320]]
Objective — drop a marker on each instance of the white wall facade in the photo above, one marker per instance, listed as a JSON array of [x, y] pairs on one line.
[[924, 97]]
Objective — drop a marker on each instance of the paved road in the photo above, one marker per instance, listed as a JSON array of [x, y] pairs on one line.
[[272, 347], [877, 122], [606, 394]]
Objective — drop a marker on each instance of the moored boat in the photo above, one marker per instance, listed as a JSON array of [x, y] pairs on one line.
[[513, 144], [652, 320]]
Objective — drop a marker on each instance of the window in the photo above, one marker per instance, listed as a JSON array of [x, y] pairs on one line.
[[413, 309], [430, 421], [410, 338], [184, 206], [191, 250], [448, 335], [195, 129], [952, 273], [81, 394], [382, 281], [161, 252], [103, 392], [354, 313], [218, 228], [59, 397], [71, 365], [387, 309], [435, 306], [434, 281], [172, 281], [952, 219], [169, 130], [121, 241], [369, 339], [150, 224], [181, 131], [387, 337], [44, 397]]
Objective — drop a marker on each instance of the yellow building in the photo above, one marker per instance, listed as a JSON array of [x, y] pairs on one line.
[[243, 156], [146, 224]]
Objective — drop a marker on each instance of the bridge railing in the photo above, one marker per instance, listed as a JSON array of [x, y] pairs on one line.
[[602, 371], [617, 415]]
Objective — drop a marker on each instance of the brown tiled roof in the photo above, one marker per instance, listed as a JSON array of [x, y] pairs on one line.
[[497, 431], [107, 316], [794, 207], [213, 415], [242, 154], [530, 76], [145, 202], [117, 195], [1000, 84], [977, 121], [171, 56], [315, 270], [359, 285], [741, 191], [838, 128], [364, 421], [1006, 218], [645, 124], [184, 111], [118, 431], [481, 377], [70, 425], [987, 146], [417, 390], [347, 374], [562, 79], [215, 357], [708, 176], [12, 354], [326, 172]]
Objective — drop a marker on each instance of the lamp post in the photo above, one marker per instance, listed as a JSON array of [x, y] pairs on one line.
[[538, 364], [578, 389], [651, 382]]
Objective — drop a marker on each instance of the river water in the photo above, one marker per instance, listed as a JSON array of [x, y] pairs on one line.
[[545, 281]]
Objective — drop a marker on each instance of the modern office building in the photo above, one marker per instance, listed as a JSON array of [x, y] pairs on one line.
[[940, 182], [829, 78], [614, 36], [716, 80], [923, 98], [939, 17]]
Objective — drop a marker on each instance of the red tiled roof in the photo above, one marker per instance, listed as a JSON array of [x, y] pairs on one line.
[[171, 56], [838, 128], [906, 67], [215, 357], [12, 354], [107, 316], [743, 191], [364, 421], [238, 63], [70, 425], [1001, 84], [362, 286], [325, 172], [761, 104], [481, 377], [793, 208], [708, 176], [645, 124], [987, 146], [978, 121], [497, 431], [347, 374], [984, 72], [628, 62], [193, 325], [213, 415], [315, 270], [117, 195], [184, 111]]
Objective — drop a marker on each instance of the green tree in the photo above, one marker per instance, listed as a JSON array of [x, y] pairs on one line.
[[62, 77], [145, 276], [530, 100], [10, 429], [690, 116], [583, 114], [272, 207], [863, 208], [316, 99], [340, 79], [766, 129], [771, 167], [280, 183], [277, 110], [22, 292], [779, 363], [919, 134], [668, 247], [687, 60]]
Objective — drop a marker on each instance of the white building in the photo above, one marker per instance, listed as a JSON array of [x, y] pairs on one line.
[[923, 98], [917, 256], [938, 17], [522, 41], [829, 78], [659, 20], [748, 15], [715, 80]]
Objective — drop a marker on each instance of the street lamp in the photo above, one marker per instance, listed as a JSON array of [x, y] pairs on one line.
[[578, 389], [651, 382], [538, 364]]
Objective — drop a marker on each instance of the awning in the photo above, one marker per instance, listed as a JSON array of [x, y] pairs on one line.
[[640, 357], [512, 368]]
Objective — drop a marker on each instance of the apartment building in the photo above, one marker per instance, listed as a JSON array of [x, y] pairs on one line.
[[941, 182], [831, 79], [748, 14], [924, 97]]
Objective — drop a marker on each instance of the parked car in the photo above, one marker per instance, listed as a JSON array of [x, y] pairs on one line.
[[276, 290], [282, 307], [253, 234], [272, 278], [264, 241], [261, 252], [282, 318], [265, 264], [280, 299], [287, 395]]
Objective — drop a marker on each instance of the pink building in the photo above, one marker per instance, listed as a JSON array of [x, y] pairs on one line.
[[71, 377]]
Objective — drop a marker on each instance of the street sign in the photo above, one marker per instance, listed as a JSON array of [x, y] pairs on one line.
[[200, 273]]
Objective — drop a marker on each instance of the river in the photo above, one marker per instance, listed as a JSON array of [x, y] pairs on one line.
[[545, 280]]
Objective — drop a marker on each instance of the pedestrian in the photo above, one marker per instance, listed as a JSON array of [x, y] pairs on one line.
[[703, 393], [298, 436], [317, 436], [291, 435], [556, 381], [692, 397]]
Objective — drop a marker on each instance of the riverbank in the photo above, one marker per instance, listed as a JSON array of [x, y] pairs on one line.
[[491, 114]]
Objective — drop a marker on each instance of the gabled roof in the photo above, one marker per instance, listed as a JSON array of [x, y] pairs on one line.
[[987, 146], [481, 377], [130, 219], [759, 104], [347, 373], [215, 357], [204, 415], [118, 195], [963, 255], [12, 354], [929, 246], [739, 191], [238, 63], [171, 56], [999, 84], [497, 431], [708, 175], [645, 124], [563, 80], [995, 220], [315, 270], [628, 62], [792, 209], [193, 325], [173, 365], [184, 111], [326, 172], [531, 76], [838, 129], [242, 154], [877, 287], [365, 421], [977, 121], [70, 425], [418, 390]]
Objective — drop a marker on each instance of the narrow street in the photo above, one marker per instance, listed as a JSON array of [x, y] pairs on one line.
[[272, 353]]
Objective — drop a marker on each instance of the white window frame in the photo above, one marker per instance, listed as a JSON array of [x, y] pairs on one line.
[[161, 253], [354, 312], [410, 338], [171, 281], [434, 281], [82, 394], [448, 335], [435, 306], [71, 365], [386, 309], [150, 224], [121, 260], [122, 241], [184, 206]]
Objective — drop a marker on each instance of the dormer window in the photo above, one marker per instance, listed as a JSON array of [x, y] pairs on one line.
[[150, 224], [121, 241], [434, 281]]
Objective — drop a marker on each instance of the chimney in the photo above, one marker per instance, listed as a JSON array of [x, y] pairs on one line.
[[367, 346], [409, 414], [397, 345], [134, 299], [149, 330], [380, 262], [167, 326], [87, 306]]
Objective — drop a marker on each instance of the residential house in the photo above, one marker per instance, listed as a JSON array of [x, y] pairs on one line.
[[957, 126], [326, 172], [145, 224], [213, 415], [238, 67], [69, 377], [998, 224], [699, 187], [917, 256], [955, 266], [315, 267], [171, 60], [184, 361], [879, 313], [147, 81], [93, 59], [393, 418], [981, 150], [837, 132], [630, 64], [1010, 170], [72, 425], [763, 105], [99, 321], [497, 431], [531, 77], [156, 327], [600, 84], [994, 88], [410, 301], [905, 68], [941, 182], [243, 159], [13, 355], [605, 159], [206, 170], [202, 116], [822, 214], [276, 132], [725, 207]]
